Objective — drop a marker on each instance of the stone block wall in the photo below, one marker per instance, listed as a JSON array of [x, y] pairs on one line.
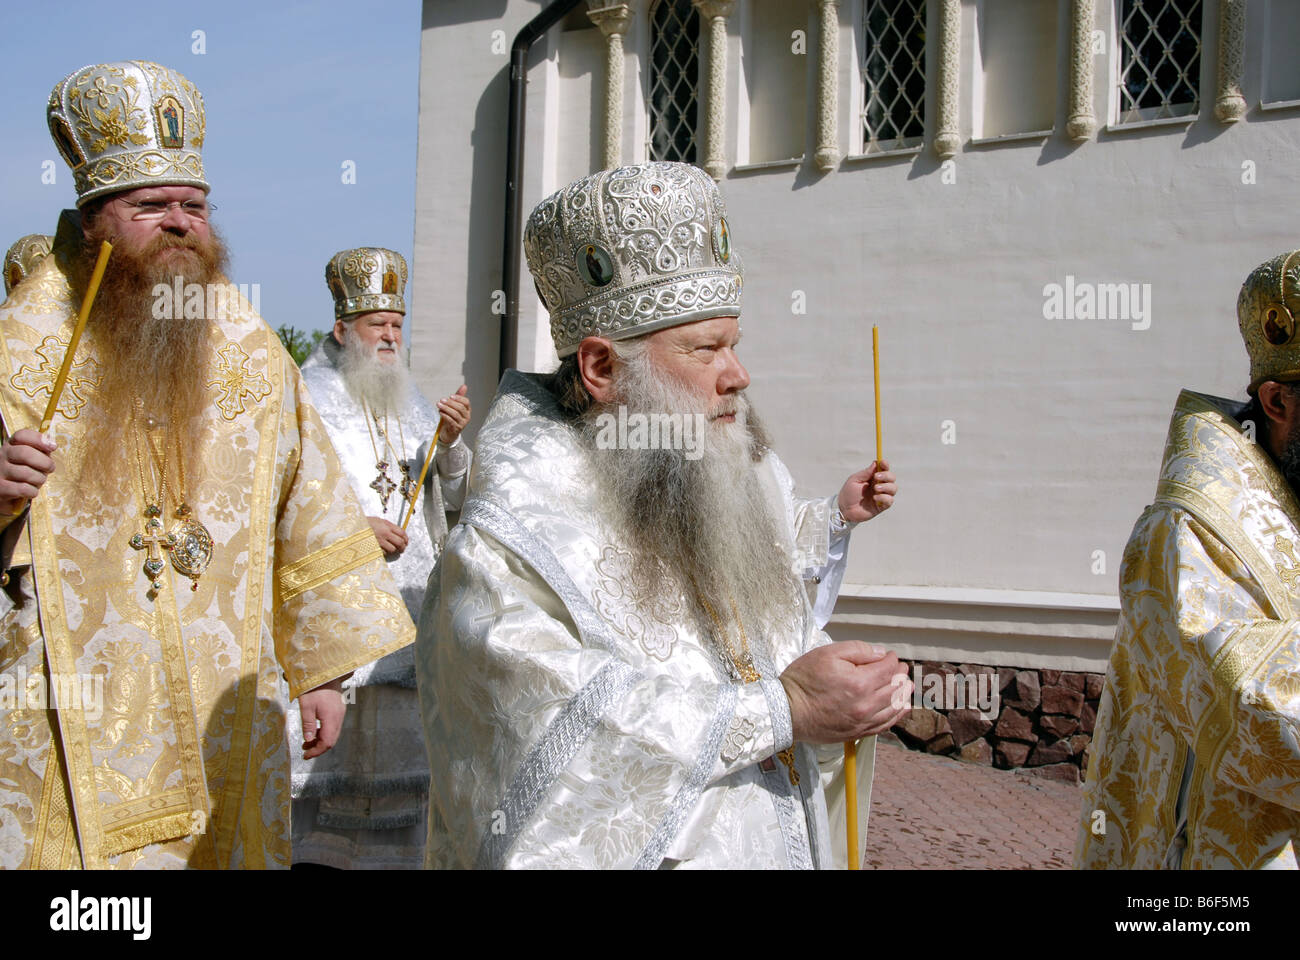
[[1044, 718]]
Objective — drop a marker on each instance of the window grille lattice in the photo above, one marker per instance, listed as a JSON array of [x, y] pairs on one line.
[[893, 74], [674, 84], [1160, 43]]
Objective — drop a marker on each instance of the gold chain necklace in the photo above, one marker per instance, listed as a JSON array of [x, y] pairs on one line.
[[193, 549], [189, 544], [744, 664], [383, 484], [154, 539]]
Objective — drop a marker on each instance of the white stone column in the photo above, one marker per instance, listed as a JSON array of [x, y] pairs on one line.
[[1081, 122], [715, 12], [828, 87], [1229, 101], [947, 138], [613, 20]]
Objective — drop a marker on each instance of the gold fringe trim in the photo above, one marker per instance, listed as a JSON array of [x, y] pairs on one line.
[[171, 827], [324, 565]]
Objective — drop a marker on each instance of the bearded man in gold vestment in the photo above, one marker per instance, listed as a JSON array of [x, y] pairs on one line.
[[1196, 758], [182, 551]]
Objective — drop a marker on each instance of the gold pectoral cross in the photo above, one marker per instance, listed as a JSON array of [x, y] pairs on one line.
[[408, 487], [383, 484], [154, 540]]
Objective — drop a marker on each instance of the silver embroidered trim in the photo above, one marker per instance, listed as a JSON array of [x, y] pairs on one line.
[[814, 807], [690, 790], [778, 705], [507, 530], [552, 754], [776, 784], [798, 840], [571, 728]]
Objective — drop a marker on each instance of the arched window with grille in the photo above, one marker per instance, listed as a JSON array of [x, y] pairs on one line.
[[893, 74], [1160, 59], [673, 103]]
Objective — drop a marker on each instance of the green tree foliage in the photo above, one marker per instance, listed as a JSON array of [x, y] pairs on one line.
[[299, 343]]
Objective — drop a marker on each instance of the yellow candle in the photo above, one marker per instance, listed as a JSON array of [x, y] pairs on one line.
[[875, 364], [410, 511], [851, 748], [104, 250], [851, 801]]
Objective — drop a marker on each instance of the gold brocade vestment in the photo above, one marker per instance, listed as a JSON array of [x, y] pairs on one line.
[[184, 761], [1196, 754]]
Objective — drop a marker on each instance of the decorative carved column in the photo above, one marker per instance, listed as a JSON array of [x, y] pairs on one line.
[[1229, 101], [828, 87], [947, 138], [716, 13], [613, 20], [1081, 122]]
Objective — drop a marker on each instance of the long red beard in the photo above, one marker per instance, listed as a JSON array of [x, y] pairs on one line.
[[155, 365]]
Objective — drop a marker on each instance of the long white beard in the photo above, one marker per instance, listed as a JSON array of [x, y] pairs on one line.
[[696, 525], [371, 381]]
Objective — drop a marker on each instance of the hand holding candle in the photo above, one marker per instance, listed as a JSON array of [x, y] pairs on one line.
[[455, 417], [851, 747], [25, 460]]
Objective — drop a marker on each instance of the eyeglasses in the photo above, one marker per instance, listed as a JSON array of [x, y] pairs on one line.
[[157, 209]]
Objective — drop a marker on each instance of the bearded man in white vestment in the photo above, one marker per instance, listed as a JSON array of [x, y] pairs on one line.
[[363, 805], [620, 666]]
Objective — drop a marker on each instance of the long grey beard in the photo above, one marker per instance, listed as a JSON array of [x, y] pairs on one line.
[[381, 386], [699, 526]]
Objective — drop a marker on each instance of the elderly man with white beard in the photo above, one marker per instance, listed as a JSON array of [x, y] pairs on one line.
[[363, 805], [619, 665]]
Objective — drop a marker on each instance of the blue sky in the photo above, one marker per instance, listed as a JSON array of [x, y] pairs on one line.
[[291, 91]]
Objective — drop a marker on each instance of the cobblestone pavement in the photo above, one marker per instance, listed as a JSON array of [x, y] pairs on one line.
[[930, 812]]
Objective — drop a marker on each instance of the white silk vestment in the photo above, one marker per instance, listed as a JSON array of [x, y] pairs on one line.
[[1196, 754], [364, 804], [184, 761], [566, 728]]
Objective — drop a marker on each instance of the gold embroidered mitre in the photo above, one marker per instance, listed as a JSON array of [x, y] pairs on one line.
[[366, 279], [629, 251], [128, 124], [1268, 311], [23, 257]]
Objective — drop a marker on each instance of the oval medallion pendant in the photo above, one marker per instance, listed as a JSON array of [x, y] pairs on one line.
[[193, 550]]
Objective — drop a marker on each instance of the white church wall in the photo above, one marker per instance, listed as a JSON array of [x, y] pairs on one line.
[[1026, 442]]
